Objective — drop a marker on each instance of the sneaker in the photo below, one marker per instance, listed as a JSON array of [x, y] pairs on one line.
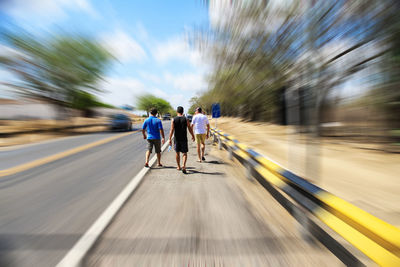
[[203, 158], [184, 171]]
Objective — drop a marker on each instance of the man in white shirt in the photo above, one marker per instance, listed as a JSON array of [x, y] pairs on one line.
[[201, 128]]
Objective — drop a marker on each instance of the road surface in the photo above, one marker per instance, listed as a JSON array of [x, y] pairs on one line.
[[46, 208], [203, 219]]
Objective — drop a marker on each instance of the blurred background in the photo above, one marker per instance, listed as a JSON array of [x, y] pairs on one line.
[[312, 84], [327, 67]]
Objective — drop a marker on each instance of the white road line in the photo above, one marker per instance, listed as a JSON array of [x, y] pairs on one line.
[[75, 256]]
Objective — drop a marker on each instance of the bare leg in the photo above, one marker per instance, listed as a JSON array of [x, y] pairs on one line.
[[203, 148], [198, 152], [159, 159], [178, 160], [184, 157], [147, 156]]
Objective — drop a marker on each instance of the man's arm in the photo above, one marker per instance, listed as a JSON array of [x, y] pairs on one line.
[[170, 133], [190, 129], [144, 130], [162, 133], [193, 122], [163, 137], [208, 128]]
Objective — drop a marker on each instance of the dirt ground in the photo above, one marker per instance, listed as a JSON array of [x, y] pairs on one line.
[[20, 125], [367, 178]]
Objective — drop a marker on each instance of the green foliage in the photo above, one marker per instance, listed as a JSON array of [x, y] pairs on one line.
[[61, 70], [194, 103], [172, 111], [148, 101], [103, 105], [84, 101]]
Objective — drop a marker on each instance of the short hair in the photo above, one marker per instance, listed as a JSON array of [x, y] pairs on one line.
[[179, 110], [153, 111], [199, 110]]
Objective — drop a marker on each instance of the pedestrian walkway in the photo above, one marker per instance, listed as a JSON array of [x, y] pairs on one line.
[[201, 219]]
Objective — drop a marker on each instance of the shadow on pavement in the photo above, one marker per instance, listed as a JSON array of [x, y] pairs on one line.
[[214, 162], [207, 173]]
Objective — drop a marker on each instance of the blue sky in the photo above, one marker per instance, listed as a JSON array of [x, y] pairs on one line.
[[147, 37]]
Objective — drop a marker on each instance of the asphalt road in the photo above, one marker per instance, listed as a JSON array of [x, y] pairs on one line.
[[208, 217], [45, 210], [13, 157]]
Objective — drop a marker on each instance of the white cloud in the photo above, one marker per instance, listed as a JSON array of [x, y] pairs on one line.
[[124, 90], [159, 93], [179, 100], [176, 49], [123, 46], [121, 91], [150, 77], [186, 81], [46, 10], [85, 6]]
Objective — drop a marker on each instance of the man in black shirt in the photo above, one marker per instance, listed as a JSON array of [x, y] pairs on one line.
[[179, 127]]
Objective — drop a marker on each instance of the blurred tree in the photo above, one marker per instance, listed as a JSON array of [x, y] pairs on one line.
[[148, 101], [85, 101], [194, 103], [315, 46], [58, 70]]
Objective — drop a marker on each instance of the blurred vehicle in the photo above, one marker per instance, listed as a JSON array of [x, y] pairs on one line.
[[120, 122], [189, 117], [166, 117]]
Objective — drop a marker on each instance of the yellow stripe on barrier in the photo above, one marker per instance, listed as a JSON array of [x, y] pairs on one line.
[[269, 164], [270, 177], [230, 137], [370, 248], [242, 147], [382, 229], [230, 143], [374, 251], [242, 154]]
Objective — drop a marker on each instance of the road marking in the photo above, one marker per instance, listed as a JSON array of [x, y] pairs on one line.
[[48, 141], [41, 161], [75, 256]]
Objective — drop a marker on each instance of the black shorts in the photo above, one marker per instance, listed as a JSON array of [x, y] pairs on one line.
[[181, 146], [154, 142]]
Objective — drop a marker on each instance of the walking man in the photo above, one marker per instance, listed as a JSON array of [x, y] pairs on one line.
[[154, 129], [179, 126], [202, 131]]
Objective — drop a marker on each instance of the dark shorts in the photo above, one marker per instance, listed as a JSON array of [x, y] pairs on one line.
[[181, 146], [154, 142]]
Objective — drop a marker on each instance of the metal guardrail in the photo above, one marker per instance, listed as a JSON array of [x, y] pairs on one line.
[[377, 239]]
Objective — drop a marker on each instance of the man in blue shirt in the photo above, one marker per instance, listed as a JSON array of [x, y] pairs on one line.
[[154, 128]]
